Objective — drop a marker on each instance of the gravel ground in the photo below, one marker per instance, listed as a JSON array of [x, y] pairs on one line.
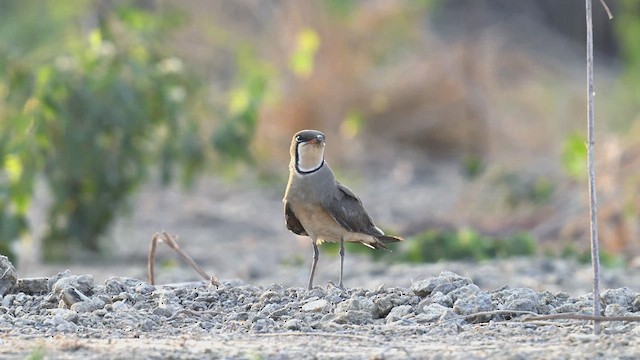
[[104, 309], [445, 316]]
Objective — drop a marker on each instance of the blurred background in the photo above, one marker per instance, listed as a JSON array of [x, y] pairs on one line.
[[461, 124]]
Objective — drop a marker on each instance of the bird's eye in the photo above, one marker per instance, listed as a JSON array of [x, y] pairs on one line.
[[299, 138]]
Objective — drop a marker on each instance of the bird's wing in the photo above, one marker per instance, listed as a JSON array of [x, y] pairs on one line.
[[292, 221], [347, 210]]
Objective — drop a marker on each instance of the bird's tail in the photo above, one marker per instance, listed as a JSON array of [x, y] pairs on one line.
[[384, 239], [389, 238]]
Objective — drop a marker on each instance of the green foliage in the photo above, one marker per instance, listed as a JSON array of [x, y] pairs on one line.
[[91, 115], [472, 166], [339, 8], [607, 258], [233, 138], [38, 353], [574, 156], [525, 189], [464, 244]]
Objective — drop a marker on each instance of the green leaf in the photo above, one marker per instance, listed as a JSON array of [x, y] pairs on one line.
[[574, 156], [303, 59]]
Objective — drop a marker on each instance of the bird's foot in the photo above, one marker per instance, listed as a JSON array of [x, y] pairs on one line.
[[339, 286]]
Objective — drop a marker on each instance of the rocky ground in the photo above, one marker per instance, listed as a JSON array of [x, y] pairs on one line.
[[446, 316], [104, 309]]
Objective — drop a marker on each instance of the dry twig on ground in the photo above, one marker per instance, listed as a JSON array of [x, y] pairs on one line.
[[171, 242]]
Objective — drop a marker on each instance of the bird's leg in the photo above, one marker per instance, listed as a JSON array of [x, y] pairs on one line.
[[313, 264], [340, 285]]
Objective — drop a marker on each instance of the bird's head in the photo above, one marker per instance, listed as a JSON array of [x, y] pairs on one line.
[[307, 151]]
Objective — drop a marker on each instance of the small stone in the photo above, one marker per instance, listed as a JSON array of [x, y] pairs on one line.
[[82, 283], [438, 297], [614, 310], [432, 313], [384, 304], [461, 291], [55, 278], [120, 306], [147, 325], [445, 283], [474, 303], [145, 288], [32, 286], [398, 313], [359, 304], [8, 275], [622, 296], [521, 299], [293, 324], [357, 317], [118, 284], [88, 306], [67, 327], [320, 305], [162, 311]]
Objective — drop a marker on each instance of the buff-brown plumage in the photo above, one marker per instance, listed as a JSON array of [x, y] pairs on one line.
[[318, 206]]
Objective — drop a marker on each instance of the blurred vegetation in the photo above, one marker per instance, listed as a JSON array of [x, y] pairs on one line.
[[469, 245], [570, 251], [465, 244], [233, 137], [95, 101], [436, 245]]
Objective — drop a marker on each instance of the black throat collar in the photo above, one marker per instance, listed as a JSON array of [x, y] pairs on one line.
[[302, 172]]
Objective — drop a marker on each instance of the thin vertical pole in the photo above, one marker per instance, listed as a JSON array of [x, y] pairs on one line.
[[593, 204]]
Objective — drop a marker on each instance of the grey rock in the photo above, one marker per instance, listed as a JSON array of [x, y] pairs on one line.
[[7, 300], [67, 327], [384, 304], [635, 305], [118, 284], [621, 296], [358, 304], [240, 316], [615, 310], [398, 312], [521, 299], [317, 292], [462, 292], [320, 305], [120, 306], [145, 288], [82, 283], [440, 298], [88, 306], [162, 311], [432, 313], [474, 303], [32, 286], [293, 324], [55, 278], [356, 317], [8, 275], [147, 325], [582, 304], [359, 310], [445, 282]]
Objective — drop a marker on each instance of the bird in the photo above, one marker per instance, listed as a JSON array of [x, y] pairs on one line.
[[318, 206]]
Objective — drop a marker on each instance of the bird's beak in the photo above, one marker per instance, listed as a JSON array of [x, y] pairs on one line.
[[317, 140]]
